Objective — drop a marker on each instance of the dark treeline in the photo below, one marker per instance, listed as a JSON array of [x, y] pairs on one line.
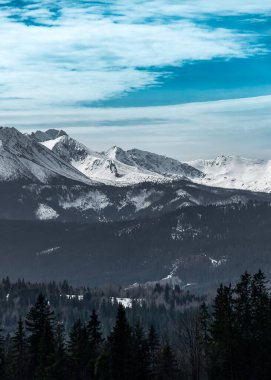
[[153, 305], [229, 339], [38, 350], [239, 338]]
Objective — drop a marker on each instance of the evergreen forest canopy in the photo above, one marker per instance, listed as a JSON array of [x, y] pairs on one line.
[[236, 236], [228, 338]]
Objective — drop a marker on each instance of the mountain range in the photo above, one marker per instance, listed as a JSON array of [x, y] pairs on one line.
[[128, 216], [48, 175]]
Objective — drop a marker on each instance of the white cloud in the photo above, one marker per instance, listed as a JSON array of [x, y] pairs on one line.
[[188, 131], [93, 53]]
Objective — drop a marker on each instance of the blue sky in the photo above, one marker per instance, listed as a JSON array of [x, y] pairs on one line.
[[184, 78]]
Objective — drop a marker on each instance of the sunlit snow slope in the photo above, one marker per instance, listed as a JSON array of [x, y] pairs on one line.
[[116, 166], [235, 172]]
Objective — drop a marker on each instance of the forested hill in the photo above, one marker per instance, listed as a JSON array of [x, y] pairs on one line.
[[202, 245], [153, 304]]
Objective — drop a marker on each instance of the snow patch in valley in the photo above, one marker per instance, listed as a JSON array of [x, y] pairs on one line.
[[45, 212], [79, 297], [128, 230], [48, 251], [181, 231], [219, 262], [144, 198], [94, 200], [126, 302]]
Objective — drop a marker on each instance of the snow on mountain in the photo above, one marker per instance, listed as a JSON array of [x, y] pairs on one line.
[[163, 165], [112, 167], [235, 172], [46, 156], [24, 158], [50, 134], [116, 166], [44, 212]]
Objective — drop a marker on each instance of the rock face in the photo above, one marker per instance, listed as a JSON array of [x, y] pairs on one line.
[[61, 179], [23, 158], [116, 166], [123, 168]]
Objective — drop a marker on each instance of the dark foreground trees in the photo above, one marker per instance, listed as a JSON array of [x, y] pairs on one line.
[[39, 351], [228, 340], [240, 331]]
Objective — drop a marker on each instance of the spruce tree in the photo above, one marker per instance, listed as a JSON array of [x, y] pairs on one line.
[[204, 319], [102, 369], [154, 346], [121, 347], [39, 325], [221, 336], [60, 358], [2, 356], [78, 351], [19, 355], [167, 366], [141, 357], [261, 326], [95, 341], [243, 326]]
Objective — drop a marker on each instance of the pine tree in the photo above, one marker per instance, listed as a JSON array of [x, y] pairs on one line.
[[261, 327], [102, 369], [78, 351], [95, 341], [154, 346], [221, 336], [204, 319], [19, 355], [167, 366], [60, 358], [121, 347], [2, 356], [243, 326], [39, 324], [141, 357]]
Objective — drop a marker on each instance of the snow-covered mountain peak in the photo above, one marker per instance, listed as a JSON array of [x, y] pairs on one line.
[[166, 166], [116, 153], [22, 157], [50, 134], [235, 172], [67, 148], [11, 138], [117, 166]]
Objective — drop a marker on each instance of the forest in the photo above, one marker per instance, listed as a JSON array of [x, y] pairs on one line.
[[224, 338], [235, 235]]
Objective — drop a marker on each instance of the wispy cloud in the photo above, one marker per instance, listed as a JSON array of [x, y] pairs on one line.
[[188, 131], [73, 52]]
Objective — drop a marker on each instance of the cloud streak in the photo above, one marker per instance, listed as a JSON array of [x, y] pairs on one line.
[[75, 52], [188, 131]]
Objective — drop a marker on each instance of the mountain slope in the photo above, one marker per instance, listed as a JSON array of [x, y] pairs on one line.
[[100, 167], [68, 182], [163, 165], [235, 172], [22, 158], [123, 168], [116, 166], [70, 201], [202, 245]]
